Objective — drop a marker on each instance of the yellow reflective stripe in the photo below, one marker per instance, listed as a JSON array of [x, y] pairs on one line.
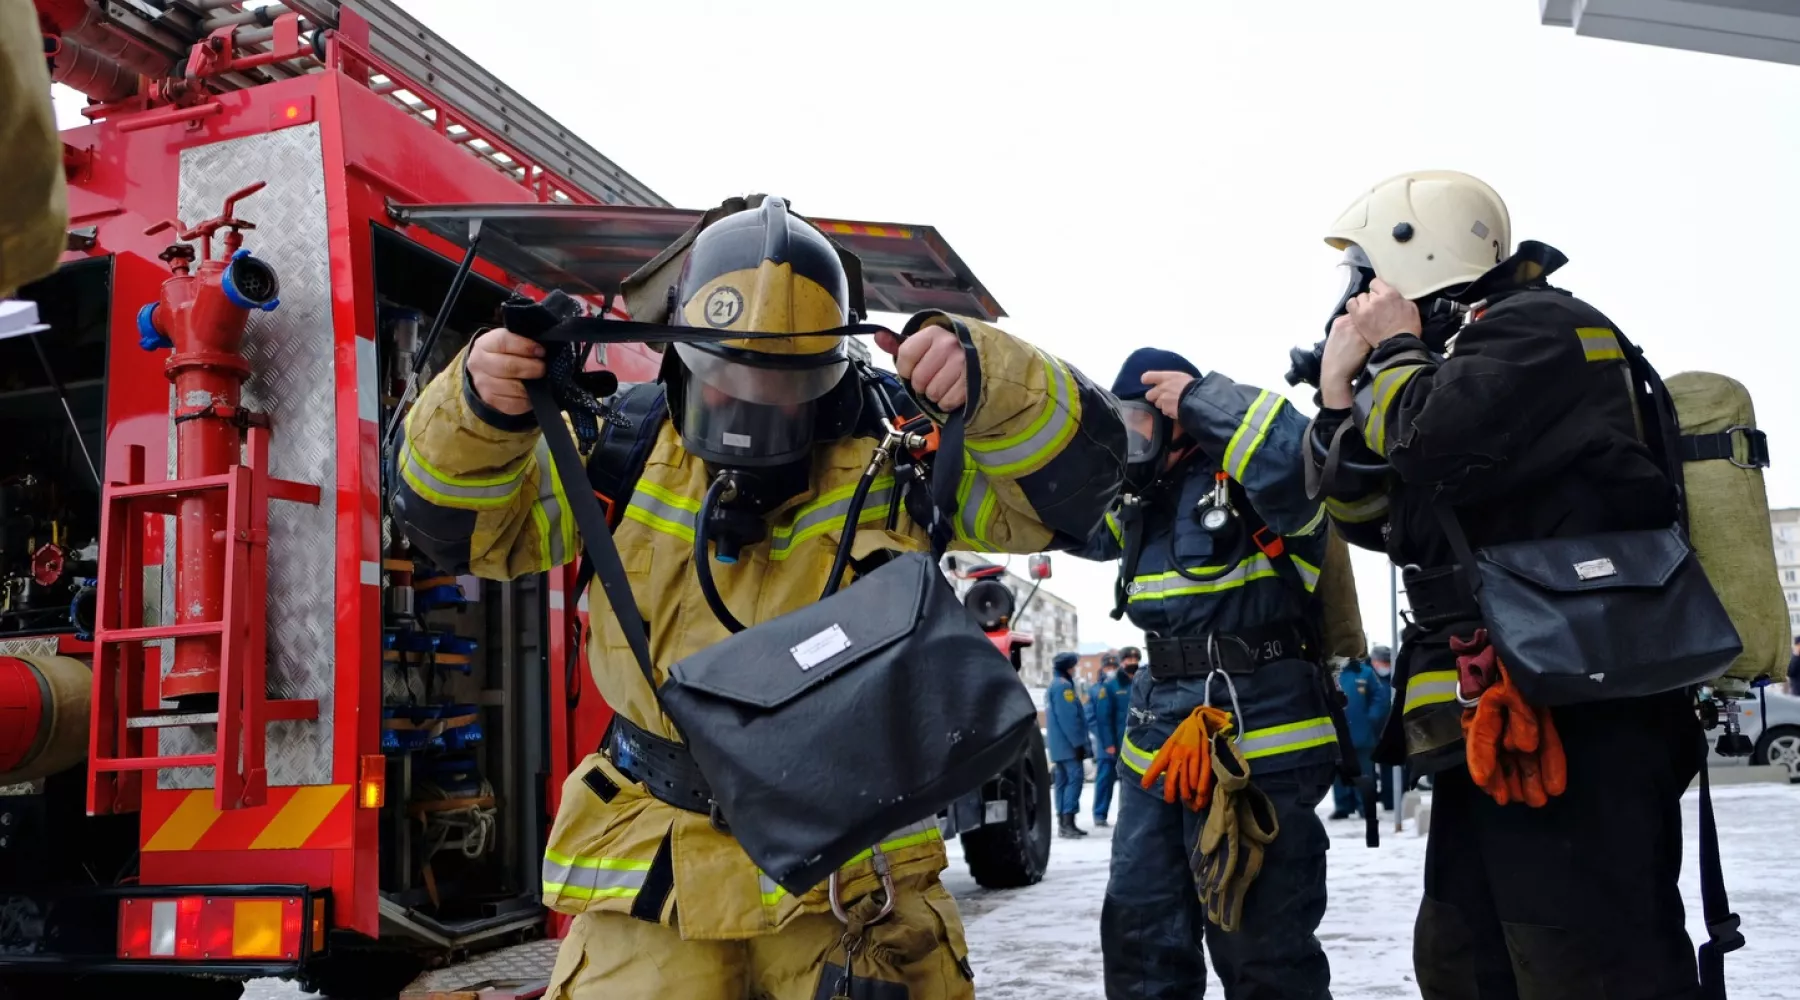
[[1311, 526], [450, 491], [660, 510], [1599, 343], [828, 513], [1309, 574], [1161, 586], [1056, 420], [1370, 508], [923, 832], [1290, 737], [670, 497], [1135, 757], [554, 540], [1245, 442], [592, 877], [1112, 525], [974, 511], [1387, 386], [1433, 687]]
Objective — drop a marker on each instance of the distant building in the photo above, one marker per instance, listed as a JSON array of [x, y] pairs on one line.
[[1049, 619], [1784, 524]]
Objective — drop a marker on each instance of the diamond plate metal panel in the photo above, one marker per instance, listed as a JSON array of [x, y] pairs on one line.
[[293, 381], [34, 646]]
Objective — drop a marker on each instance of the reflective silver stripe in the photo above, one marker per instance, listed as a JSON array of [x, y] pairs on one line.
[[548, 487], [1309, 574], [592, 878], [648, 509], [969, 517], [1434, 687], [819, 520], [1153, 588], [1250, 434], [1019, 452], [1134, 758], [1361, 511], [1287, 739], [485, 492], [1386, 388], [923, 831]]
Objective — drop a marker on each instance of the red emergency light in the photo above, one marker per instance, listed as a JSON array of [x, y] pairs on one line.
[[215, 928]]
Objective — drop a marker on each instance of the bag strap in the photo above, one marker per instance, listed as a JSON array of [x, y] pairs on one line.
[[1131, 527], [1723, 935], [590, 518], [618, 460]]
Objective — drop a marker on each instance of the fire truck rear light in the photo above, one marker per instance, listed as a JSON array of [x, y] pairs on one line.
[[211, 928], [318, 925], [371, 788]]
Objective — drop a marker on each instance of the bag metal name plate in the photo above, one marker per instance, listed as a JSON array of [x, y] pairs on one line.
[[821, 647], [1595, 569]]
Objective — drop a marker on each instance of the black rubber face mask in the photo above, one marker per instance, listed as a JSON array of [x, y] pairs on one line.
[[1147, 435]]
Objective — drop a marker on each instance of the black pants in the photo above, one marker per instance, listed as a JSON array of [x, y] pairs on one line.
[[1152, 925], [1578, 899]]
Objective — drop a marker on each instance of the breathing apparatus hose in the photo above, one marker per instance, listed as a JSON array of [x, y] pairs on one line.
[[703, 558], [1225, 569], [851, 517]]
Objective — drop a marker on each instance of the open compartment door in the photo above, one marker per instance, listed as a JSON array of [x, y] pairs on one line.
[[590, 249]]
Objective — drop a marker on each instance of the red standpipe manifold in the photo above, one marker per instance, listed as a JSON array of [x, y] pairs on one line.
[[202, 317]]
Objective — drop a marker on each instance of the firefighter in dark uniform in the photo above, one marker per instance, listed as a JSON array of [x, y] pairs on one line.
[[1234, 604], [1527, 429]]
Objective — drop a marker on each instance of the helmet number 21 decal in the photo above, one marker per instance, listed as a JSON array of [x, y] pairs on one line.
[[724, 306]]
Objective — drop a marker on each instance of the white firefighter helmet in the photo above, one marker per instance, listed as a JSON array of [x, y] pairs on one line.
[[1427, 230]]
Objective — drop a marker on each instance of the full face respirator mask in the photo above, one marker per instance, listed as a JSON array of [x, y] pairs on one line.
[[1440, 317]]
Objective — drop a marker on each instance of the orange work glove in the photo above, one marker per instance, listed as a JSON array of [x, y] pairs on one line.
[[1514, 752], [1185, 760]]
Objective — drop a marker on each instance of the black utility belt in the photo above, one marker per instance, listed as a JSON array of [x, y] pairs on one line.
[[665, 768], [1439, 596], [1237, 653]]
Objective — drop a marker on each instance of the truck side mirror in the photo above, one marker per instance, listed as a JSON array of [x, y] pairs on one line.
[[1039, 566]]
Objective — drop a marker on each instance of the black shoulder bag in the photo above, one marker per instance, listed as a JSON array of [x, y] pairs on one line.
[[822, 730], [1617, 614]]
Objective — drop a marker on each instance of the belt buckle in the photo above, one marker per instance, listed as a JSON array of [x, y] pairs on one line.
[[1231, 654]]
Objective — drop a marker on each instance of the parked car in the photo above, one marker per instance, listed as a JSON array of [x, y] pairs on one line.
[[1775, 733]]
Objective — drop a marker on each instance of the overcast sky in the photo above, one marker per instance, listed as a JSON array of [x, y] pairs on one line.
[[1163, 177]]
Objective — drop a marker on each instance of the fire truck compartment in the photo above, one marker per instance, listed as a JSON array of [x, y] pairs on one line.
[[49, 494]]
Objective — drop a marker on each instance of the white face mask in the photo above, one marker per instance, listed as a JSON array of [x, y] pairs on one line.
[[1384, 668]]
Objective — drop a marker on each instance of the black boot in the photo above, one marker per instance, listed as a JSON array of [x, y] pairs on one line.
[[1075, 831], [1065, 828], [1100, 821]]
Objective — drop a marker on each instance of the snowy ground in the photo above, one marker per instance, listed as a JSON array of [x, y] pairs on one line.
[[1042, 943]]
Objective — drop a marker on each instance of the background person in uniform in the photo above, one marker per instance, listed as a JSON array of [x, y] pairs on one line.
[[1527, 428], [1097, 746], [1366, 700], [1105, 719], [1066, 720], [1252, 604], [1381, 659]]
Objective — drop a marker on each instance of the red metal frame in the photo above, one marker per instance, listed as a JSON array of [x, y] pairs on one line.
[[116, 752], [124, 175]]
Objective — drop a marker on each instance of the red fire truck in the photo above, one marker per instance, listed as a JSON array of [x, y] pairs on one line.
[[243, 732]]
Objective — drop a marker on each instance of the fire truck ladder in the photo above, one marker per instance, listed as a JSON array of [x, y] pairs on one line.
[[117, 758]]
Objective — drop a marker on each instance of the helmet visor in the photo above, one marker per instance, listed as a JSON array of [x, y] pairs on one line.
[[1354, 276], [766, 379], [1144, 431]]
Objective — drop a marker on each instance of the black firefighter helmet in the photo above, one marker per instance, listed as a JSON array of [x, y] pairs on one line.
[[760, 402]]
